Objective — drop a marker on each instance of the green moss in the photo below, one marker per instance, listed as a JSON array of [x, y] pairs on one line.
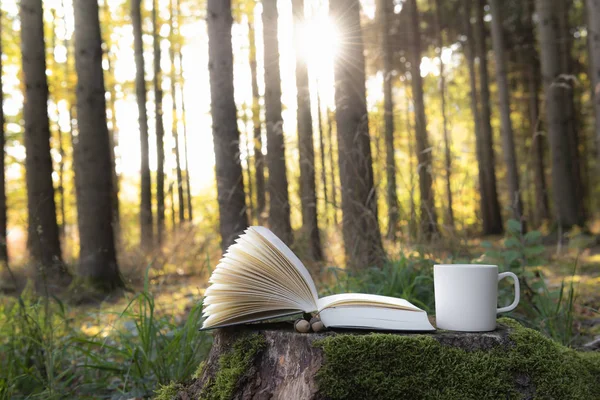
[[232, 367], [167, 392], [199, 370], [388, 366]]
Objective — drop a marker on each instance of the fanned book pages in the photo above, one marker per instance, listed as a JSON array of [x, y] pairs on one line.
[[260, 278]]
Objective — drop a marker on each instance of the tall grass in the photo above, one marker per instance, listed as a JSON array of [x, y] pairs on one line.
[[44, 355]]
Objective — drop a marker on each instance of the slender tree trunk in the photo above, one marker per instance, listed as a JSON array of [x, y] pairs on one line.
[[447, 151], [279, 205], [564, 188], [174, 130], [3, 220], [412, 223], [259, 163], [61, 149], [247, 140], [428, 215], [508, 143], [226, 137], [141, 94], [308, 192], [93, 179], [160, 129], [362, 238], [487, 135], [43, 235], [188, 187], [330, 139], [172, 198], [565, 39], [113, 132], [388, 117], [322, 155], [538, 143], [593, 13]]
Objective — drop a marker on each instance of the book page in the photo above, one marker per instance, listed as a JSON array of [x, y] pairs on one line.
[[361, 299], [289, 254], [258, 277]]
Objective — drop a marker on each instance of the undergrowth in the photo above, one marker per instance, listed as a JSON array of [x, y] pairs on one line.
[[44, 354]]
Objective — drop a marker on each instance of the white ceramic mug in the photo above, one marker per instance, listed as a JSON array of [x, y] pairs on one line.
[[466, 296]]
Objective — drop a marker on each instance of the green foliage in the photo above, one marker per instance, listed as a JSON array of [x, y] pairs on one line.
[[43, 354], [409, 277], [549, 310], [387, 366], [232, 366], [167, 392]]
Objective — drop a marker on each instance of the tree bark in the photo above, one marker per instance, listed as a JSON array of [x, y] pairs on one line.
[[259, 162], [308, 195], [388, 117], [3, 220], [564, 188], [279, 205], [93, 179], [428, 215], [226, 137], [565, 39], [43, 234], [113, 132], [188, 188], [322, 156], [593, 13], [447, 152], [160, 129], [412, 222], [247, 140], [538, 142], [146, 219], [508, 142], [494, 216], [360, 226], [330, 139], [174, 126]]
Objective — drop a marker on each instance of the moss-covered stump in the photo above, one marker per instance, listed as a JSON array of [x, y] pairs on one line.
[[274, 362]]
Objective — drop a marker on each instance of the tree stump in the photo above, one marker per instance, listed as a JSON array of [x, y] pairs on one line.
[[272, 361]]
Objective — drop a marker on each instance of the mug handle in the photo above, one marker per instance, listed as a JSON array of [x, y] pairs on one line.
[[517, 292]]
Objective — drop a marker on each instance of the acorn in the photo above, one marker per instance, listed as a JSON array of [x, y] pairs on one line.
[[302, 326], [316, 324]]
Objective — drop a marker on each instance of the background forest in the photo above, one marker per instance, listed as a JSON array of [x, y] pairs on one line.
[[375, 137]]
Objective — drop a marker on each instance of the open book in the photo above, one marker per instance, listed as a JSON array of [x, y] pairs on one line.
[[260, 278]]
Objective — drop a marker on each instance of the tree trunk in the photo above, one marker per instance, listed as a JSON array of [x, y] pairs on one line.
[[330, 139], [93, 179], [188, 188], [279, 205], [226, 137], [563, 9], [271, 361], [113, 132], [490, 209], [247, 140], [3, 246], [308, 195], [388, 117], [146, 223], [564, 188], [43, 235], [412, 222], [494, 216], [160, 129], [362, 238], [593, 12], [508, 143], [322, 155], [259, 163], [447, 152], [174, 125], [538, 142], [428, 215]]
